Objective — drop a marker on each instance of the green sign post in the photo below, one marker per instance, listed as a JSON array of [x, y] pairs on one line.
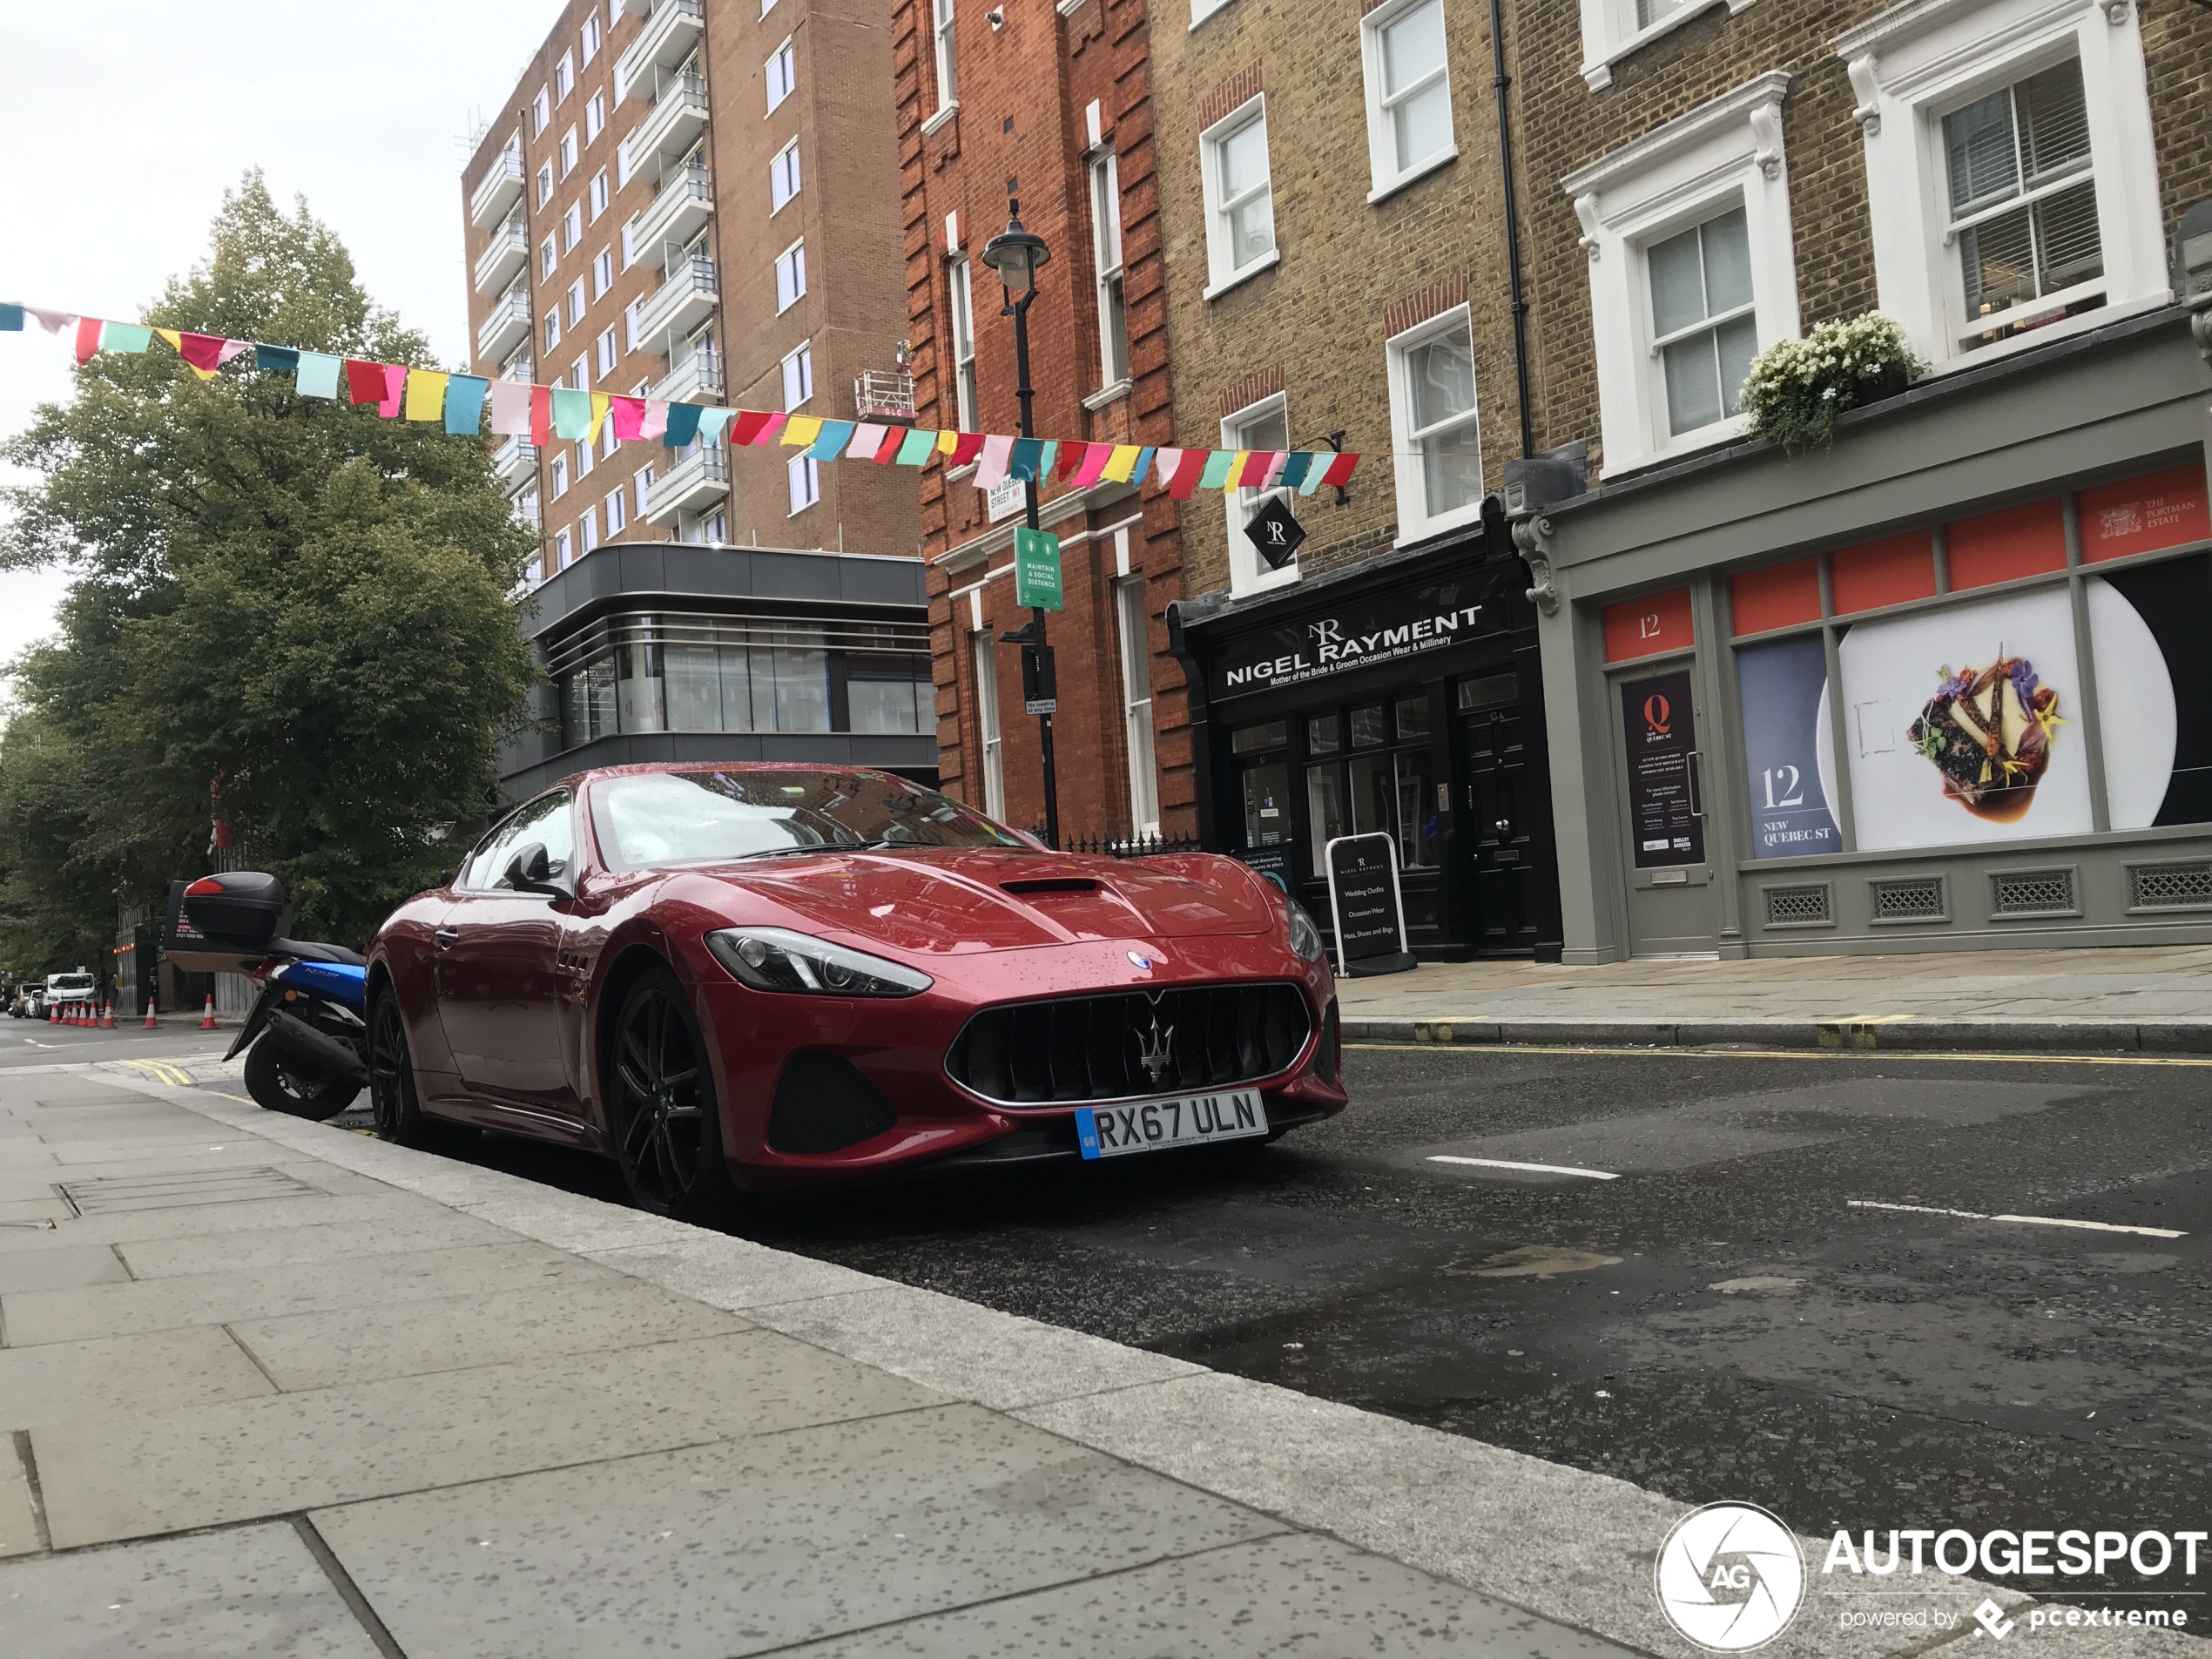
[[1036, 570]]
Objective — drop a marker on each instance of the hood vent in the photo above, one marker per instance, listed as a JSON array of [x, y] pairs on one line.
[[1052, 884]]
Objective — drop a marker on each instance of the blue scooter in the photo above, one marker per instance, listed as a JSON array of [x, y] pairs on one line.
[[306, 1040]]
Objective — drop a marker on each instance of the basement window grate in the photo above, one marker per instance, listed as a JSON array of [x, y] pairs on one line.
[[2169, 886], [2032, 893], [1799, 906], [1912, 898], [174, 1191]]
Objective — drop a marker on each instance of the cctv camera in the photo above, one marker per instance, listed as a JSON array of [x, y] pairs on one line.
[[996, 18]]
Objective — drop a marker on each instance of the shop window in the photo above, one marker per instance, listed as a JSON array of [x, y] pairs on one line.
[[1692, 268], [2004, 546], [1779, 596], [1369, 729], [1324, 734], [1384, 785], [1253, 738], [2010, 168], [1893, 571]]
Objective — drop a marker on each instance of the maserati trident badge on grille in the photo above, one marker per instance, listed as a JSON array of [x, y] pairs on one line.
[[1156, 1051]]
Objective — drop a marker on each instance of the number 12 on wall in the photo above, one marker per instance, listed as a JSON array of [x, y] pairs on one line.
[[1792, 786]]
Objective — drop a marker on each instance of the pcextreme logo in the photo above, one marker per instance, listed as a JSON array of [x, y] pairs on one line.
[[1729, 1577]]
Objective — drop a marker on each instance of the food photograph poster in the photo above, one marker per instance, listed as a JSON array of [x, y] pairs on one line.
[[1968, 723]]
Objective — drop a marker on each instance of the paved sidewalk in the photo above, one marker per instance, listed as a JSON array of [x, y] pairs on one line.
[[2156, 997], [273, 1388]]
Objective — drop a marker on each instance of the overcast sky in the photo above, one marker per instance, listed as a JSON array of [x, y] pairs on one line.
[[129, 118]]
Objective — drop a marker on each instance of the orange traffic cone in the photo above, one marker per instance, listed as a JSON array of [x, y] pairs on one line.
[[76, 1014], [207, 1014], [107, 1016], [53, 1013], [152, 1024]]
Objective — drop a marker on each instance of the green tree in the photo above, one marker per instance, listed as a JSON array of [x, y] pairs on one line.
[[285, 601]]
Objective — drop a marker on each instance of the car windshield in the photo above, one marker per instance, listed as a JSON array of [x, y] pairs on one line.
[[712, 817]]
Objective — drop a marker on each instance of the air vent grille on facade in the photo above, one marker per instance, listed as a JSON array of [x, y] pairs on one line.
[[1913, 898], [2032, 893], [2169, 886], [1805, 906]]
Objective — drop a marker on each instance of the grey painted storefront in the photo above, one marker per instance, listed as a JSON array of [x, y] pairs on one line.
[[720, 590], [2026, 480]]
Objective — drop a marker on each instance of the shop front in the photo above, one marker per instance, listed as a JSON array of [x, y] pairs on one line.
[[1400, 696], [1936, 690]]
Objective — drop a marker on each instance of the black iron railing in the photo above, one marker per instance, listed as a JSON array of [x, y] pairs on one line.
[[1124, 847]]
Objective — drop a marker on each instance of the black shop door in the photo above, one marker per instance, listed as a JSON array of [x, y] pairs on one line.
[[1508, 803]]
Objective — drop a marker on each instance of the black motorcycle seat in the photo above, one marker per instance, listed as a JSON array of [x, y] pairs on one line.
[[309, 952]]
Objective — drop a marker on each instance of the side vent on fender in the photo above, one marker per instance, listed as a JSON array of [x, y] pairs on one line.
[[823, 1104]]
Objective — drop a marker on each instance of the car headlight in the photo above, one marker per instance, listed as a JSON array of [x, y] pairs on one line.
[[1305, 937], [775, 958]]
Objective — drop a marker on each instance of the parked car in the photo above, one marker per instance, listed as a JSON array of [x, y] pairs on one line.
[[738, 977]]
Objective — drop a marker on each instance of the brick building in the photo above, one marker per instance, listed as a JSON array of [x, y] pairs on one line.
[[1925, 688], [1316, 301], [1052, 106], [697, 204]]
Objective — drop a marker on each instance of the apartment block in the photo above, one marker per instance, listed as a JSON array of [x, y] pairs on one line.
[[1049, 106], [695, 204], [1761, 668]]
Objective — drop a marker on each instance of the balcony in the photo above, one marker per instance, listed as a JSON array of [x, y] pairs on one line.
[[679, 305], [699, 375], [677, 118], [667, 40], [698, 481], [508, 326], [885, 394], [516, 460], [508, 252], [500, 189], [684, 205]]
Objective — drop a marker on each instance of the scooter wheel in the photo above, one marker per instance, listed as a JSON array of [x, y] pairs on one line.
[[277, 1087]]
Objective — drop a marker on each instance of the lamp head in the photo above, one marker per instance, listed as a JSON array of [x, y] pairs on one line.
[[1017, 254]]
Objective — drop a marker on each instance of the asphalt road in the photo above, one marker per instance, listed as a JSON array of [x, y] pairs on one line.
[[33, 1042]]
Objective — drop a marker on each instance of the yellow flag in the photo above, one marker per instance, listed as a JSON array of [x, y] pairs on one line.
[[947, 443], [599, 408], [426, 395], [804, 430], [1121, 463]]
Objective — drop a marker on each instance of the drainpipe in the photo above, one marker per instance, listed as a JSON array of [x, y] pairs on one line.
[[1502, 83]]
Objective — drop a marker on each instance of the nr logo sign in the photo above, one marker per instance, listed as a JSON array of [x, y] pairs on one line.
[[1275, 532]]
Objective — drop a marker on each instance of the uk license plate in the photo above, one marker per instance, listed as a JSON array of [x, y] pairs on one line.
[[1156, 1125]]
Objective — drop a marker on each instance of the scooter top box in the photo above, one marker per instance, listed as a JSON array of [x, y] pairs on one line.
[[225, 920]]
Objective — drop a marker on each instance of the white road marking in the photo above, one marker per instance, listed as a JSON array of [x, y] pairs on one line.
[[1536, 1168], [2029, 1221]]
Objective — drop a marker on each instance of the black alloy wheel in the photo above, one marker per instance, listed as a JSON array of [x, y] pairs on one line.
[[392, 1096], [661, 1108]]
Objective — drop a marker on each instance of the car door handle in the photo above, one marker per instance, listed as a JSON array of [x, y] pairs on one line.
[[448, 936]]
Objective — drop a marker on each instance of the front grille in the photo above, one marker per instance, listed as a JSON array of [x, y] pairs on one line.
[[1093, 1048]]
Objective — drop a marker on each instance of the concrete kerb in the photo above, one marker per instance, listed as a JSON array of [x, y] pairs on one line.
[[1988, 1036], [1566, 1545]]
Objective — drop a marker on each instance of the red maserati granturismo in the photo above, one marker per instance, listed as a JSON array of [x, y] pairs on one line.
[[732, 978]]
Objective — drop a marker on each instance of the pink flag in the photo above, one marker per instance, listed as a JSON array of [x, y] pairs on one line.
[[629, 417], [395, 383], [867, 440], [231, 349], [990, 471], [510, 408], [1164, 466], [52, 321], [655, 424], [1276, 462], [1095, 456]]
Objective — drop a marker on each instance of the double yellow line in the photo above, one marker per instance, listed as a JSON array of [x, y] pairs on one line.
[[162, 1071]]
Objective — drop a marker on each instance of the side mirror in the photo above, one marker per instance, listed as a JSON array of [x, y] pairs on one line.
[[531, 870]]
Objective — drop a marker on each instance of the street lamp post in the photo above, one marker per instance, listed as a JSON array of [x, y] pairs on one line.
[[1016, 254]]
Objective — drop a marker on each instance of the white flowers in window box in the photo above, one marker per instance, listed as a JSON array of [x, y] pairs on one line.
[[1797, 389]]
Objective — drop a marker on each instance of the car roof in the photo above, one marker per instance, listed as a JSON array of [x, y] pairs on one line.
[[576, 779]]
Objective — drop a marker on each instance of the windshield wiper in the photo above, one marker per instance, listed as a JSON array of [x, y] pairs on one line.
[[787, 852]]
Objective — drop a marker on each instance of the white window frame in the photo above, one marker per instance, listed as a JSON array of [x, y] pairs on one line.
[[617, 509], [1248, 572], [587, 529], [600, 194], [570, 151], [962, 298], [561, 544], [802, 477], [1914, 63], [572, 228], [594, 117], [589, 34], [644, 485], [1385, 174], [795, 268], [798, 374], [552, 328], [609, 356], [563, 77], [541, 112], [602, 273], [1414, 522], [560, 476], [1132, 627], [578, 303], [1610, 32], [944, 56], [783, 178], [989, 737], [548, 257], [1678, 175], [781, 86], [1201, 9], [585, 460], [1223, 275], [544, 183], [1107, 266], [579, 377]]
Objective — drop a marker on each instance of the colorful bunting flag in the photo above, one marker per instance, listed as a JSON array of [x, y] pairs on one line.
[[317, 375], [712, 422], [541, 415], [125, 337], [280, 359], [364, 382], [426, 396], [11, 320], [991, 471], [465, 403], [966, 446], [753, 426], [629, 416], [572, 413], [87, 338], [679, 423], [52, 321], [655, 421], [1143, 465], [1191, 470], [1121, 461], [868, 438], [829, 441], [394, 386], [600, 403], [1293, 473], [1220, 465], [1339, 472], [803, 431], [916, 447], [1092, 464], [1026, 459], [510, 408]]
